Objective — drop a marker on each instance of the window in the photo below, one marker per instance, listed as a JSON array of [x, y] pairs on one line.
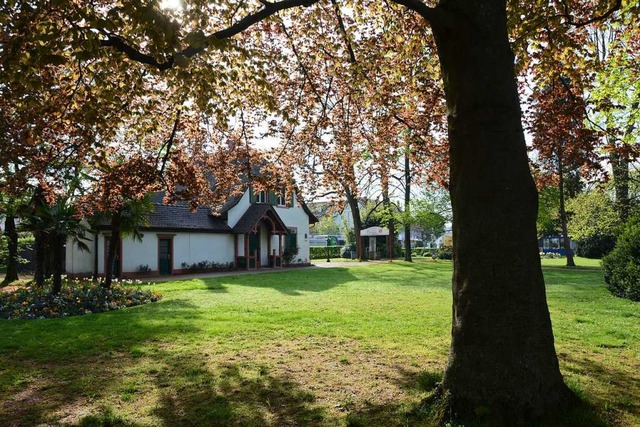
[[282, 200], [291, 241], [261, 197]]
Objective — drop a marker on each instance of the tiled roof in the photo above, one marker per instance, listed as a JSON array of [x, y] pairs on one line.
[[254, 214], [179, 217]]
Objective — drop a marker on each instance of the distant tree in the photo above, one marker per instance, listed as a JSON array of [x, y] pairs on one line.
[[562, 142], [430, 213], [594, 223], [326, 225]]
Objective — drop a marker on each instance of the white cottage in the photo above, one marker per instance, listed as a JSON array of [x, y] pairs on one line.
[[251, 231]]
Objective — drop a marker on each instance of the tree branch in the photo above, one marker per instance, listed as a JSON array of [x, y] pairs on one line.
[[343, 30], [428, 13], [567, 14], [269, 9]]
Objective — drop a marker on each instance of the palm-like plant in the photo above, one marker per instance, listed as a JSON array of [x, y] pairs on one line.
[[52, 227], [126, 222]]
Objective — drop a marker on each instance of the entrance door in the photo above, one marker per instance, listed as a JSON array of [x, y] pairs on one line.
[[164, 256], [254, 248]]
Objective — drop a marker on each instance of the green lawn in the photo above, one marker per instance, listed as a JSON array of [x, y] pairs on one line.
[[359, 345]]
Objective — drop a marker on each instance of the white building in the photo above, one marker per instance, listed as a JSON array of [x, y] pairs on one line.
[[251, 231]]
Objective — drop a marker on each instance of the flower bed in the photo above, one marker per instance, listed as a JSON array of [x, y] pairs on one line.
[[76, 298]]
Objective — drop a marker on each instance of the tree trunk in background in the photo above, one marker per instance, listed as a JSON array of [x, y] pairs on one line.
[[357, 224], [57, 243], [620, 168], [407, 205], [563, 215], [114, 244], [41, 239], [95, 257], [12, 248], [502, 367]]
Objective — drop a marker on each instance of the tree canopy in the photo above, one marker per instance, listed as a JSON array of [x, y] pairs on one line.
[[140, 98]]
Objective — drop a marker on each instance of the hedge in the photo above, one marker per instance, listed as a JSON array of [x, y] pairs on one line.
[[320, 252]]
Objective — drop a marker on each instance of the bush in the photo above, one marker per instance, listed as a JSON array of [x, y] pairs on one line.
[[595, 246], [320, 252], [208, 266], [621, 268], [75, 298], [348, 251]]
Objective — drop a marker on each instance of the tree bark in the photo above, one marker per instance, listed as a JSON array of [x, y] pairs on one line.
[[41, 240], [357, 224], [114, 243], [563, 214], [95, 257], [502, 363], [12, 248], [407, 204]]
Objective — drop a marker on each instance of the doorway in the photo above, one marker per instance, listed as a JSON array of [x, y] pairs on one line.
[[164, 256]]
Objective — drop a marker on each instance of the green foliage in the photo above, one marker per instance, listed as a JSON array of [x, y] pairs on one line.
[[445, 251], [326, 225], [324, 252], [621, 267], [595, 247], [75, 298], [25, 244], [429, 214], [592, 214], [548, 211]]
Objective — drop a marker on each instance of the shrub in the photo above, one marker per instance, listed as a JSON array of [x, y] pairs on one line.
[[348, 251], [144, 268], [75, 298], [621, 268], [320, 252], [289, 254], [595, 246], [208, 266]]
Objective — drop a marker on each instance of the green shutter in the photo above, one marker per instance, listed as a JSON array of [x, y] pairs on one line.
[[252, 196]]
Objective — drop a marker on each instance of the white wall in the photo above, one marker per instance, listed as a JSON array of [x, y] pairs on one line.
[[136, 253], [187, 247], [298, 218], [195, 247], [235, 213], [77, 261]]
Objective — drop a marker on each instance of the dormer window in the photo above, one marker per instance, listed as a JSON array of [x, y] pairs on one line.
[[261, 197]]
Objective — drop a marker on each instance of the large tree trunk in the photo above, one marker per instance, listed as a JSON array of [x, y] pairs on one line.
[[563, 215], [502, 362], [12, 248], [407, 205]]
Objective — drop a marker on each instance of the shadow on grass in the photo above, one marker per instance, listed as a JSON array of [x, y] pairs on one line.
[[293, 283], [618, 392], [233, 394], [49, 365]]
